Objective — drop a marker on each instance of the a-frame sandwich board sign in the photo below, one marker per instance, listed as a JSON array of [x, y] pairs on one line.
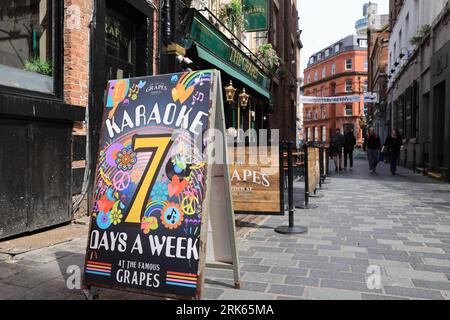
[[153, 189]]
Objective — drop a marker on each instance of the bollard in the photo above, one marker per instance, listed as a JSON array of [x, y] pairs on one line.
[[291, 229]]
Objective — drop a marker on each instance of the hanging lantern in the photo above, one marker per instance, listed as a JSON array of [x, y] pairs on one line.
[[243, 99], [230, 92]]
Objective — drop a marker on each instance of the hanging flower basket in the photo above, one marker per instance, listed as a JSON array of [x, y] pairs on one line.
[[232, 16], [269, 57]]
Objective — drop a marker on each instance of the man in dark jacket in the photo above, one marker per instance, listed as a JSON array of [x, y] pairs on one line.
[[393, 146], [349, 147], [372, 145]]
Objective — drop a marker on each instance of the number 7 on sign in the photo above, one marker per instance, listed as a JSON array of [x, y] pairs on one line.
[[159, 146]]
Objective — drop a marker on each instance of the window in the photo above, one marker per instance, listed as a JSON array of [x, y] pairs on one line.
[[363, 43], [337, 48], [348, 110], [348, 64], [366, 85], [316, 76], [311, 60], [319, 57], [348, 86], [27, 29], [324, 113], [324, 72], [327, 53], [316, 115], [308, 79], [316, 134], [333, 69], [308, 134], [324, 134], [366, 64]]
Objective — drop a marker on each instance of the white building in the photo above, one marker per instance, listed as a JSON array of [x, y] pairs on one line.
[[419, 84]]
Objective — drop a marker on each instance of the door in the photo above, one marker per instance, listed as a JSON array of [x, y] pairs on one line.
[[13, 173], [35, 175]]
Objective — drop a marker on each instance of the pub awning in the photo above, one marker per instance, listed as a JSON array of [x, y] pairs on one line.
[[213, 47], [204, 54]]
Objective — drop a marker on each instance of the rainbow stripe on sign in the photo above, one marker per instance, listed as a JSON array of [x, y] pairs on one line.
[[180, 279], [99, 268]]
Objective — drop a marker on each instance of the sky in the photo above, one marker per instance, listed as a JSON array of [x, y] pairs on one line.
[[327, 21]]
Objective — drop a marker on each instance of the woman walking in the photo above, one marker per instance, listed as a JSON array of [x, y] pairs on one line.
[[393, 145]]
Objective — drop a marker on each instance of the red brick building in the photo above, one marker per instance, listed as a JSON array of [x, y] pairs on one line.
[[338, 70]]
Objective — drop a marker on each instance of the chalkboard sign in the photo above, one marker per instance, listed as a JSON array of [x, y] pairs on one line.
[[149, 223]]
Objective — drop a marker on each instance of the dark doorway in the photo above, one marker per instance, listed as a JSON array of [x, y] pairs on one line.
[[439, 125], [121, 47]]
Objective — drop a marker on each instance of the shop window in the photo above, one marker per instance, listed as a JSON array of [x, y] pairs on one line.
[[27, 30], [400, 116], [408, 113]]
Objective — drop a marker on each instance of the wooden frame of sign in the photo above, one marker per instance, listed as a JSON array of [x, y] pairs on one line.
[[154, 180]]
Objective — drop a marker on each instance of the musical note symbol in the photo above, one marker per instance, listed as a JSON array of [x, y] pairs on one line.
[[172, 216]]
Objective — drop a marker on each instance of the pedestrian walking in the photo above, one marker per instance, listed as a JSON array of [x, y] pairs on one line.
[[372, 145], [349, 148], [393, 146], [336, 148]]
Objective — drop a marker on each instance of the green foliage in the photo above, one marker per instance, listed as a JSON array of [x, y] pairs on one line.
[[420, 34], [35, 64], [269, 57], [231, 14]]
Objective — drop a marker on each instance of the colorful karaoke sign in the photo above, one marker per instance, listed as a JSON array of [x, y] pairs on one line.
[[150, 186]]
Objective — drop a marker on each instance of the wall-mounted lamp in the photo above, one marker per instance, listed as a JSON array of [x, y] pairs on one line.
[[230, 92], [243, 99]]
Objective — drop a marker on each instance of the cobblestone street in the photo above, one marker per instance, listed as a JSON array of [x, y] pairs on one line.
[[400, 224]]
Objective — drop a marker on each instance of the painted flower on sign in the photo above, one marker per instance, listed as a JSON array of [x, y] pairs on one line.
[[116, 217], [126, 159]]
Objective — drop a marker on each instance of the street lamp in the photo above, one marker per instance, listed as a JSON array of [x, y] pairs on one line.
[[230, 93], [243, 102]]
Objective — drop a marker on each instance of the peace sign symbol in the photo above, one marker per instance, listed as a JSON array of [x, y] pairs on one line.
[[189, 205], [121, 180]]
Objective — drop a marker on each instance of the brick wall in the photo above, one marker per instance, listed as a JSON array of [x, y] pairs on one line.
[[78, 14]]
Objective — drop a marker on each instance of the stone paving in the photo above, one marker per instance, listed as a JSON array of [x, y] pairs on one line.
[[398, 225]]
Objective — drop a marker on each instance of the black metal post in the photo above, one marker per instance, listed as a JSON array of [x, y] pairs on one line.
[[291, 229]]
